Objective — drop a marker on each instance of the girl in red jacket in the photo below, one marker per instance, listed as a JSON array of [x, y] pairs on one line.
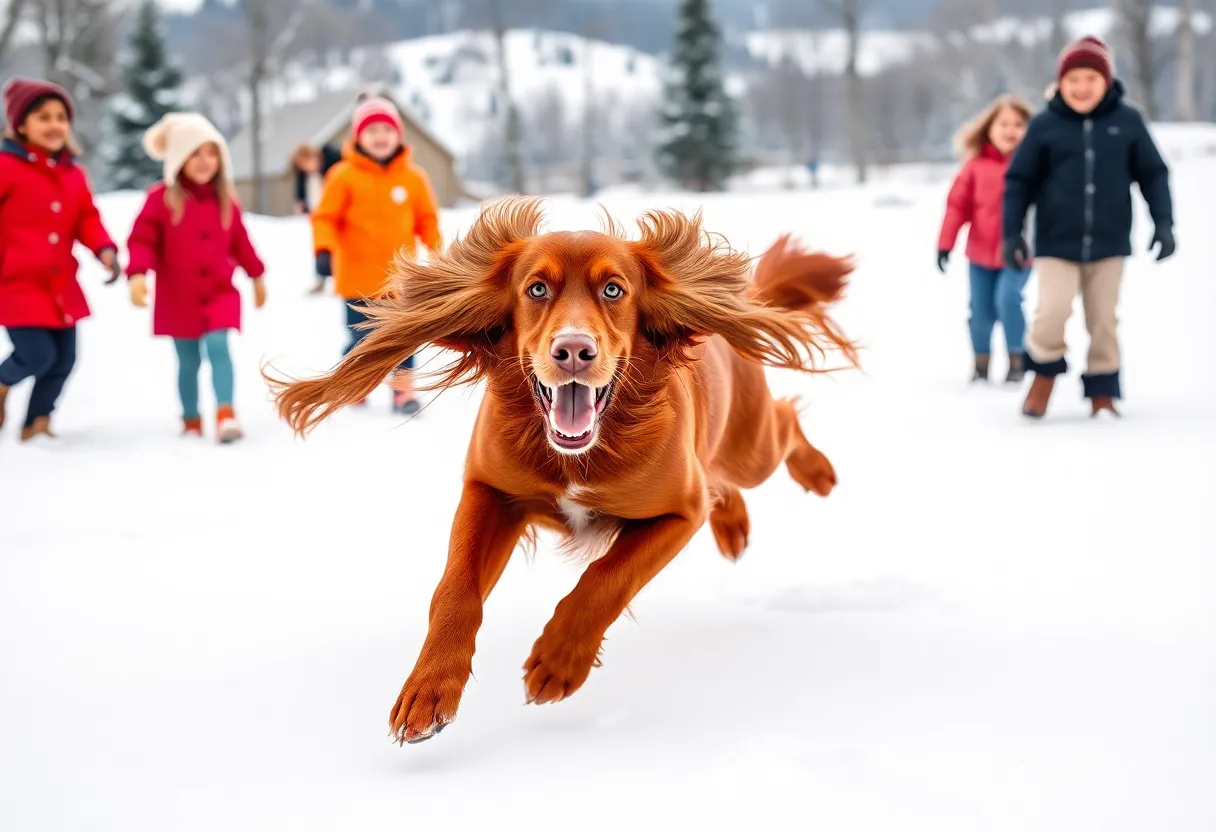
[[45, 207], [190, 234], [987, 144]]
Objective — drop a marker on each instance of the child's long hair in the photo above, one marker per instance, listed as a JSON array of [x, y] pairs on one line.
[[175, 196], [972, 136]]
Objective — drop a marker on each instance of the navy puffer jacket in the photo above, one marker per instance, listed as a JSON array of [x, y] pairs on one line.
[[1077, 170]]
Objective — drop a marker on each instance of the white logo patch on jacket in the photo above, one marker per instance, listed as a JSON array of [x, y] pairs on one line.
[[399, 194]]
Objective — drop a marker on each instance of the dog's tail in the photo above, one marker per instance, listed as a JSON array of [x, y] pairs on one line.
[[789, 276]]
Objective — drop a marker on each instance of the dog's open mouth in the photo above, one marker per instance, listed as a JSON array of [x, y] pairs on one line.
[[572, 412]]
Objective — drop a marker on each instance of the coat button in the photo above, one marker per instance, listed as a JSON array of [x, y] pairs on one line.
[[1091, 188], [56, 207], [1087, 239], [54, 238], [67, 319]]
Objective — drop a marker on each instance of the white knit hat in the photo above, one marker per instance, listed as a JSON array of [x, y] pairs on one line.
[[174, 139]]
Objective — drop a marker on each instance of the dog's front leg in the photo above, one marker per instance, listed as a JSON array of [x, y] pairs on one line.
[[485, 532], [568, 648]]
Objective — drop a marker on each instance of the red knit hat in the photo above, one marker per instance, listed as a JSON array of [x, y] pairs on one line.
[[372, 110], [1087, 53], [20, 95]]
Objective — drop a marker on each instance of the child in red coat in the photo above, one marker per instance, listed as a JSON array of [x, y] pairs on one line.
[[45, 207], [987, 144], [190, 234]]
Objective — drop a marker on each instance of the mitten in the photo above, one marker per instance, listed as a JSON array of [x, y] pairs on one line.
[[1017, 253], [325, 264], [259, 293], [943, 259], [109, 259], [1164, 236]]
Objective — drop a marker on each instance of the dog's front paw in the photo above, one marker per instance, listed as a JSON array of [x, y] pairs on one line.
[[558, 666], [426, 706], [812, 470], [729, 522]]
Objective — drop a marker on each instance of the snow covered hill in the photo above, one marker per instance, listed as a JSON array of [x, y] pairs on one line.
[[991, 625]]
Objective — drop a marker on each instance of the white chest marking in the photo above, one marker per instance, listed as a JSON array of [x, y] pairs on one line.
[[578, 517]]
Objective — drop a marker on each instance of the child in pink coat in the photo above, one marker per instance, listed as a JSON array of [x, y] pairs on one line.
[[987, 144], [190, 234]]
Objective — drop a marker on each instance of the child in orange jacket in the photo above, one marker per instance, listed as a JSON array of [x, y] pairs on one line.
[[375, 203]]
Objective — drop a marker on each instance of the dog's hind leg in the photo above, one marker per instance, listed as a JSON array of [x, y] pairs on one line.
[[729, 522], [806, 463]]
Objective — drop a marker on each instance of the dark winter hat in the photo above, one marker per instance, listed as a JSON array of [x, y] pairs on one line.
[[1087, 53], [21, 94]]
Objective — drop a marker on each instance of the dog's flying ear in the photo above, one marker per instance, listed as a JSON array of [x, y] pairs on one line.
[[459, 301], [697, 286]]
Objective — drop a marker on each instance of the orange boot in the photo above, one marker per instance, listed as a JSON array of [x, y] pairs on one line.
[[227, 428], [1040, 393], [192, 427]]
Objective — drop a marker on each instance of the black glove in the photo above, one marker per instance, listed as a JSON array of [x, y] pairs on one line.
[[943, 259], [1164, 236], [1017, 253], [325, 264]]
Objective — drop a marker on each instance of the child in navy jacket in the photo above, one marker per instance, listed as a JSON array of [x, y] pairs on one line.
[[1077, 164]]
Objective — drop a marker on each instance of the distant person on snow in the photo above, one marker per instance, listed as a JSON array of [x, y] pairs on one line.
[[987, 143], [311, 164], [191, 236], [1077, 164], [46, 205], [376, 202]]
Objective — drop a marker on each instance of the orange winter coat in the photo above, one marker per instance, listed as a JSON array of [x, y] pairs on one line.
[[368, 212]]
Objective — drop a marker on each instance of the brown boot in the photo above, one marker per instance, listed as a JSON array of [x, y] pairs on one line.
[[40, 427], [3, 396], [1036, 400], [1100, 403], [981, 368]]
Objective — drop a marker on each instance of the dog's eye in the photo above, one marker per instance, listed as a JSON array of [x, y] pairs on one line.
[[613, 291], [538, 290]]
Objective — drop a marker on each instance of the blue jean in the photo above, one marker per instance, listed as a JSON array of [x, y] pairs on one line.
[[354, 317], [47, 355], [996, 295], [190, 361]]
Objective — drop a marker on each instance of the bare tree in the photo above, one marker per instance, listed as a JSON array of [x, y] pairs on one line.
[[1184, 93], [1134, 22], [549, 139], [12, 12], [850, 12]]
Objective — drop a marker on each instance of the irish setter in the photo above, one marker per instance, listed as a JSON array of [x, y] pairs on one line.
[[625, 405]]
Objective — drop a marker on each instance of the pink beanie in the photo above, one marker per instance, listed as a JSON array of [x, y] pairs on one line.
[[373, 110]]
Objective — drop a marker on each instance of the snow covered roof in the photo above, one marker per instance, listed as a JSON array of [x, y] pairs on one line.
[[316, 122]]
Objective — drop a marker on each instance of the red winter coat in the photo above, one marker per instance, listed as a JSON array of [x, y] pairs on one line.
[[193, 261], [976, 198], [45, 207]]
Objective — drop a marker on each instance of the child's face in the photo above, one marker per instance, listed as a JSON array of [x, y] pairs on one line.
[[48, 126], [203, 164], [309, 162], [1082, 89], [1007, 130], [379, 140]]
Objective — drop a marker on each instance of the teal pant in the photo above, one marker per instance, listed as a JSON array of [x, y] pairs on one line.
[[190, 361]]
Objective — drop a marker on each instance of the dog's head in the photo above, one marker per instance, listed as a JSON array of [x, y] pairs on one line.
[[571, 312]]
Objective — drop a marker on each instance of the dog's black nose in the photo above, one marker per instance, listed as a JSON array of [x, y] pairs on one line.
[[574, 352]]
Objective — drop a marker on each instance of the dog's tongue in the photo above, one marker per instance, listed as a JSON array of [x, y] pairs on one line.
[[573, 409]]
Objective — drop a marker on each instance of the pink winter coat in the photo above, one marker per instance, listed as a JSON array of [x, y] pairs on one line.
[[45, 207], [976, 198], [193, 261]]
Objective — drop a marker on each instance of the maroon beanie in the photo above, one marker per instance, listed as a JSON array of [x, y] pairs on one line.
[[1087, 53], [20, 95]]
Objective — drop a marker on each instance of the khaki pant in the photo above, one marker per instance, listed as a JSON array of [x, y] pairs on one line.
[[1059, 283]]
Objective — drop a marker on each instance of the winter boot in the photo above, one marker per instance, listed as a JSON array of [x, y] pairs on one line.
[[1017, 369], [192, 427], [981, 368], [3, 396], [40, 427], [404, 400], [227, 428], [1035, 405], [1101, 403]]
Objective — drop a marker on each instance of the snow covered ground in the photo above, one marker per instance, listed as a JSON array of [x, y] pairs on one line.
[[991, 625]]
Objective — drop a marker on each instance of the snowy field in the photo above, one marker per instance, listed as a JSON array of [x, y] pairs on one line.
[[991, 624]]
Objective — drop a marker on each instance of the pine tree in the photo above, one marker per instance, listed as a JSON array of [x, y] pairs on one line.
[[698, 123], [151, 89]]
